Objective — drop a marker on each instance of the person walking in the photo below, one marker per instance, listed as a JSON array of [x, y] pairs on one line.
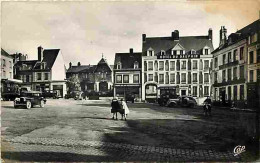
[[115, 107]]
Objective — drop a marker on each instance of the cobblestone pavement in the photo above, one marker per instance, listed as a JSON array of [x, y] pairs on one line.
[[43, 149]]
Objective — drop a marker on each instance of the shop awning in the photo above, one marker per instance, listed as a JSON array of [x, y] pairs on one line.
[[12, 81]]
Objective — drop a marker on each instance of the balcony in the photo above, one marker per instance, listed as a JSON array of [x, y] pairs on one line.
[[229, 82], [228, 64]]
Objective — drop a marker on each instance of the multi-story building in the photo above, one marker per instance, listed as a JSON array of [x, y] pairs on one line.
[[96, 78], [127, 74], [44, 74], [8, 83], [232, 59], [178, 65]]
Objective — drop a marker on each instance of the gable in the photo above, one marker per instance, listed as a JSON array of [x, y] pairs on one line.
[[178, 47]]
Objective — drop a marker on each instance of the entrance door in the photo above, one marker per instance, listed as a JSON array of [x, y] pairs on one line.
[[183, 92]]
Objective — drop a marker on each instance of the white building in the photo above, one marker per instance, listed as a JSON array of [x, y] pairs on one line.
[[177, 65]]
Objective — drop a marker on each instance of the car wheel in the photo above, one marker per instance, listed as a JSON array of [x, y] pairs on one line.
[[42, 104], [28, 104], [172, 104], [191, 105]]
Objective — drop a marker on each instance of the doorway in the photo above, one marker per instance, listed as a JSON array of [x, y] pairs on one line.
[[183, 92]]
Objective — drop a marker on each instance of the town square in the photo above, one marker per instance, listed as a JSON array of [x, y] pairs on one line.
[[174, 81]]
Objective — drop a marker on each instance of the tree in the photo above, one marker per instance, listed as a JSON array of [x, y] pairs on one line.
[[73, 84]]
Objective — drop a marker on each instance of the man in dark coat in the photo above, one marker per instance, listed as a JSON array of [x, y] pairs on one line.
[[115, 107]]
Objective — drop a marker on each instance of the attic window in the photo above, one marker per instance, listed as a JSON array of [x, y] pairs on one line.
[[193, 51], [43, 65], [136, 65], [150, 53], [174, 52], [162, 52], [119, 66], [206, 51]]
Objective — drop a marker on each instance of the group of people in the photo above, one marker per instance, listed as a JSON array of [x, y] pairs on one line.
[[119, 107]]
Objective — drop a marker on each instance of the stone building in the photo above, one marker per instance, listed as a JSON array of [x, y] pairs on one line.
[[178, 65], [44, 74], [236, 66], [127, 74], [96, 78]]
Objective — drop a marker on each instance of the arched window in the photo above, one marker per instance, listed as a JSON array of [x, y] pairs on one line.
[[136, 65], [162, 52], [119, 66]]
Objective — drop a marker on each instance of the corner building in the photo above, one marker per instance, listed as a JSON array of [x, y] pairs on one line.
[[176, 65]]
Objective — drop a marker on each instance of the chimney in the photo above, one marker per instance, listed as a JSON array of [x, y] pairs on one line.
[[131, 51], [175, 35], [70, 64], [40, 53], [144, 37], [79, 64], [210, 34], [222, 36]]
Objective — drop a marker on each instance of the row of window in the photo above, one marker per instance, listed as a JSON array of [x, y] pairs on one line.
[[4, 63], [206, 51], [228, 92], [205, 90], [176, 78], [126, 78], [228, 73], [119, 65], [172, 65], [39, 77], [254, 57]]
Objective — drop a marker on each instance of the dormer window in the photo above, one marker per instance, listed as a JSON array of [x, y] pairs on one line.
[[43, 65], [119, 66], [174, 52], [181, 51], [150, 52], [136, 65], [193, 51], [206, 51], [162, 52]]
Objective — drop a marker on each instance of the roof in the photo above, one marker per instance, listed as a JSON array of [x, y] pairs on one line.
[[49, 57], [127, 60], [102, 61], [241, 34], [4, 53], [189, 43], [76, 69]]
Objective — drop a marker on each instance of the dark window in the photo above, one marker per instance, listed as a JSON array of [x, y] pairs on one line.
[[136, 78], [241, 92], [4, 64], [189, 78], [229, 57], [224, 75], [178, 78], [206, 77], [183, 66], [150, 65], [150, 77], [251, 75], [235, 92], [216, 62], [46, 76], [166, 66], [206, 64], [172, 65], [235, 73], [156, 77], [27, 78], [178, 65], [224, 59], [206, 90], [251, 57], [150, 53], [241, 53], [189, 64], [258, 56], [119, 78], [241, 72], [194, 92], [181, 51], [172, 78], [206, 51], [183, 77], [195, 65], [145, 66], [161, 65], [161, 78], [229, 74], [194, 77], [126, 78], [174, 52], [216, 77], [39, 76], [167, 78]]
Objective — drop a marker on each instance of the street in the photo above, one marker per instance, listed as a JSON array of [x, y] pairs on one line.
[[82, 130]]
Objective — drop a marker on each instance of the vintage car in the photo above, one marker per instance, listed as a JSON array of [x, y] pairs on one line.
[[30, 99], [184, 101]]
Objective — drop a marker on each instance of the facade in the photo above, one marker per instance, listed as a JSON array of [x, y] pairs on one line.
[[96, 78], [235, 66], [127, 74], [45, 74], [8, 83], [177, 65]]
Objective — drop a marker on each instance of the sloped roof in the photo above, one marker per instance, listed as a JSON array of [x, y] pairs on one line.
[[49, 57], [103, 62], [127, 60], [241, 34], [4, 53], [196, 43], [76, 69], [27, 62]]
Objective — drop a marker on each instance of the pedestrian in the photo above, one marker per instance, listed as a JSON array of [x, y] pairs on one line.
[[115, 107], [125, 110]]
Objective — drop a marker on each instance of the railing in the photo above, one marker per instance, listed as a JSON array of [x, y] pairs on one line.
[[228, 64]]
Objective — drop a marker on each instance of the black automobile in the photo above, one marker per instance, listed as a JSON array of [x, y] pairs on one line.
[[30, 99]]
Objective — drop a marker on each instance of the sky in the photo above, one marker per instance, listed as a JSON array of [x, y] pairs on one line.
[[85, 30]]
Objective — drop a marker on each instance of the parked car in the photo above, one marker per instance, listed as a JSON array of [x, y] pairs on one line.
[[184, 101], [130, 97], [30, 99], [50, 94]]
